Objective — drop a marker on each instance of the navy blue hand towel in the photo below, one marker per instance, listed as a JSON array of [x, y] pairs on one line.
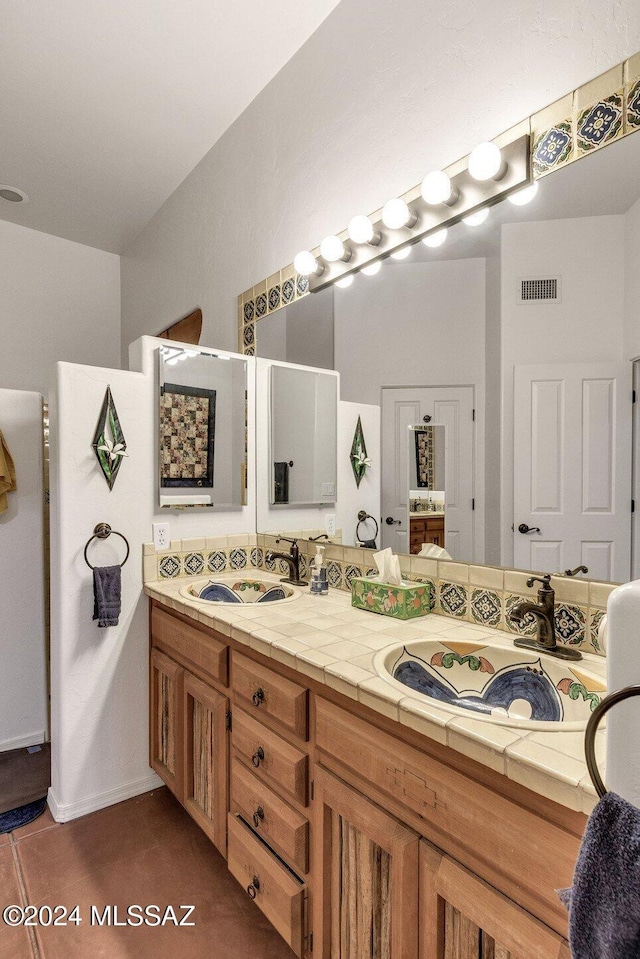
[[106, 595], [604, 901]]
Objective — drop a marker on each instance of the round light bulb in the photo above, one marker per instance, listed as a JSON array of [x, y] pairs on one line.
[[372, 269], [401, 254], [396, 214], [345, 281], [435, 239], [360, 229], [475, 219], [485, 161], [436, 188], [522, 197], [332, 249], [305, 263]]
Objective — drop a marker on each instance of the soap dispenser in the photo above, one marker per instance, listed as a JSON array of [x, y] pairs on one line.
[[319, 584]]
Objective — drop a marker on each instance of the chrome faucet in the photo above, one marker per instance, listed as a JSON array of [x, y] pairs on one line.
[[292, 559], [543, 610]]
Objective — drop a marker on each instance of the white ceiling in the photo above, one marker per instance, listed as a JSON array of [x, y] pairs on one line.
[[106, 107]]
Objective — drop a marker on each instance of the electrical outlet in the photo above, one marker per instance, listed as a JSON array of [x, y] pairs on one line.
[[330, 524], [328, 489], [161, 535]]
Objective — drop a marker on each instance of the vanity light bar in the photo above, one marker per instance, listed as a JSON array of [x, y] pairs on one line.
[[472, 196]]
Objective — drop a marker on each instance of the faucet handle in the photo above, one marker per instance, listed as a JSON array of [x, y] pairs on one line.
[[286, 539], [545, 579]]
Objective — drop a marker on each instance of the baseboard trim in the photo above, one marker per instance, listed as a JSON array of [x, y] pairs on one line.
[[65, 812], [32, 739]]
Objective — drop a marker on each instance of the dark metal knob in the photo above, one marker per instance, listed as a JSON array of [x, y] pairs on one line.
[[390, 521], [523, 528], [254, 887], [258, 697], [258, 756], [257, 816], [427, 418]]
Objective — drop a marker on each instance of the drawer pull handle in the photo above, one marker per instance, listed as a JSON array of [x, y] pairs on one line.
[[258, 697], [258, 756], [254, 887], [257, 816]]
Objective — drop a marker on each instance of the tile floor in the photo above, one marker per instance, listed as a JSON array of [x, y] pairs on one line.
[[146, 850]]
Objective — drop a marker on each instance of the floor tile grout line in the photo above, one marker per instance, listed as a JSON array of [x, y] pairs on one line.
[[23, 892]]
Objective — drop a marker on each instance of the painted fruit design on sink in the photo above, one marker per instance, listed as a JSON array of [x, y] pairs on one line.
[[498, 683]]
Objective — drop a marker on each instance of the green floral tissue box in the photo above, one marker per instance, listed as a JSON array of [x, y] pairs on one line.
[[401, 602]]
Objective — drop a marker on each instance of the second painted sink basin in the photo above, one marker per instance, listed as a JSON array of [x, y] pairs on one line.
[[239, 589], [509, 686]]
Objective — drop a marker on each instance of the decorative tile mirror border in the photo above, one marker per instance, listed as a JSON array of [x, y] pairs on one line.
[[594, 115]]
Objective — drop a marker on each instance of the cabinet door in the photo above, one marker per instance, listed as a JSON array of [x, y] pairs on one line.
[[165, 724], [206, 758], [366, 885], [463, 917]]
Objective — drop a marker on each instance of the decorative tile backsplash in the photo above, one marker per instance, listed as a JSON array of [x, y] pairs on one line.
[[484, 595]]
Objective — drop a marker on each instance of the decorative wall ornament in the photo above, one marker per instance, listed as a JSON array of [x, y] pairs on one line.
[[359, 459], [109, 443]]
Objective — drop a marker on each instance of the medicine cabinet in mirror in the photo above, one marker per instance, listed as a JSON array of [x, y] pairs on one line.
[[202, 418], [302, 436]]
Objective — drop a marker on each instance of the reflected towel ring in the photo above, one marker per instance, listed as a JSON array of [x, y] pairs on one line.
[[362, 518], [102, 531], [590, 735]]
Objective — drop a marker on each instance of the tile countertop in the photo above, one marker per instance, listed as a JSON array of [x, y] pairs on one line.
[[426, 513], [325, 638]]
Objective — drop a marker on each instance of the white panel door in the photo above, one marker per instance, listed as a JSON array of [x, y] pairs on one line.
[[572, 468], [448, 406]]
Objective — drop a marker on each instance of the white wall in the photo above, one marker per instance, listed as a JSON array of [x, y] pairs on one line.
[[366, 496], [585, 326], [360, 113], [417, 324], [99, 677], [23, 675], [58, 301], [632, 282]]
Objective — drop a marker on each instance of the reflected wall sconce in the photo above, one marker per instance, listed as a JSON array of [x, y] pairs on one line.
[[424, 213]]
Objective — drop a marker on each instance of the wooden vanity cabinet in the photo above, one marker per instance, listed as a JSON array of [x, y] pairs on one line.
[[165, 722], [366, 893], [366, 840], [189, 747], [463, 917], [427, 529]]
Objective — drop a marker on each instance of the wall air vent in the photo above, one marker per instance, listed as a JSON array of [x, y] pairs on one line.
[[539, 288]]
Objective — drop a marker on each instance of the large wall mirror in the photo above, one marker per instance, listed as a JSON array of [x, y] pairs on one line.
[[519, 337], [302, 436], [202, 416]]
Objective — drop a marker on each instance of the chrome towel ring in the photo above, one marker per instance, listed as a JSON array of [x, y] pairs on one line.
[[590, 734], [102, 531]]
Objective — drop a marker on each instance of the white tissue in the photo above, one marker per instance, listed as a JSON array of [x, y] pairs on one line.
[[388, 566]]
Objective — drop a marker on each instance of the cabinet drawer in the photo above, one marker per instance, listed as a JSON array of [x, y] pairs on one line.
[[190, 644], [276, 761], [275, 820], [278, 893], [260, 689]]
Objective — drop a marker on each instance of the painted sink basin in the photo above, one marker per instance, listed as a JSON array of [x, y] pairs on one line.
[[508, 686], [239, 589]]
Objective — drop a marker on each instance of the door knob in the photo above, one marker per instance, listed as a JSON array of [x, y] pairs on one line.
[[523, 528], [390, 521]]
